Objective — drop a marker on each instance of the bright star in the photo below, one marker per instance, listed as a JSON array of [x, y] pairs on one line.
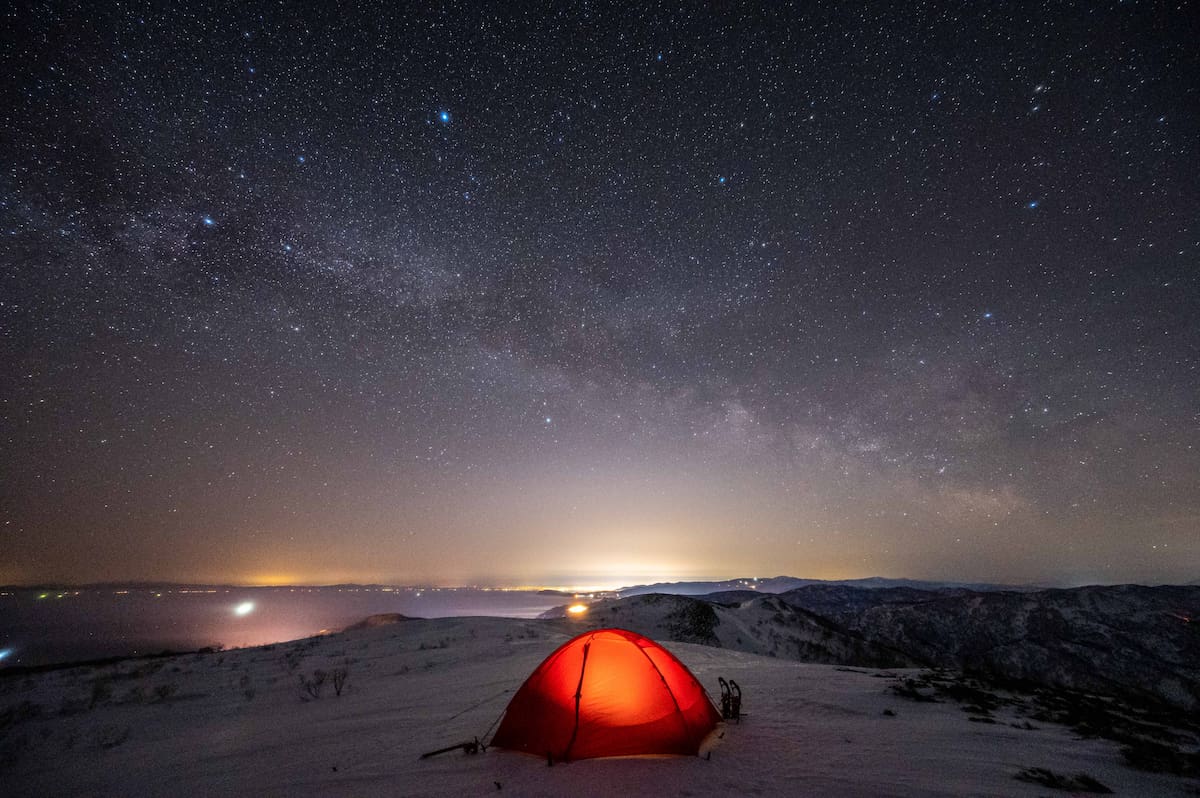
[[444, 117], [1032, 204], [208, 221], [301, 158], [987, 315], [4, 653], [721, 180]]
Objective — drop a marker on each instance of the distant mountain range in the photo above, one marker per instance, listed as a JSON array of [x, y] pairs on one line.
[[774, 584], [782, 584], [1140, 643]]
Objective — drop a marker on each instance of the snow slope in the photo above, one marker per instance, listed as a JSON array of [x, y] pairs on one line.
[[235, 723]]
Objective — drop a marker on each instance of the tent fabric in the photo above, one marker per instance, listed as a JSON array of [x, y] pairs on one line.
[[608, 692]]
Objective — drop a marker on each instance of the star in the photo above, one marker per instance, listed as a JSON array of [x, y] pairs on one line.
[[444, 117]]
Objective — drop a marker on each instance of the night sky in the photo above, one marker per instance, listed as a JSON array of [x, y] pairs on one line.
[[581, 294]]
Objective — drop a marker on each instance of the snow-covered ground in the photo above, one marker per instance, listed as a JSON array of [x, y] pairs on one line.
[[238, 723]]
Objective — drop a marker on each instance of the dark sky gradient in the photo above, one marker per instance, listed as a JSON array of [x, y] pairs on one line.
[[585, 294]]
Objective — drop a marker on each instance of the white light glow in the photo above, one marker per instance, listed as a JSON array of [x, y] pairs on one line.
[[245, 608]]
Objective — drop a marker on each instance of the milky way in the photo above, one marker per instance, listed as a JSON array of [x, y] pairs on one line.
[[583, 294]]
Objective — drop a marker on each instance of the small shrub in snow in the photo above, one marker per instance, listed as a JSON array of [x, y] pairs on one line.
[[292, 659], [339, 679], [312, 687]]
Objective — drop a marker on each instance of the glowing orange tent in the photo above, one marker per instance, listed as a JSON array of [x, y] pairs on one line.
[[608, 692]]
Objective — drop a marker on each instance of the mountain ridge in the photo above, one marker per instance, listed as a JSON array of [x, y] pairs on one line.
[[1131, 641]]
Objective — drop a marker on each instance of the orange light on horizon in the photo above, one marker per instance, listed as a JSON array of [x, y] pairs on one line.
[[577, 609], [272, 579]]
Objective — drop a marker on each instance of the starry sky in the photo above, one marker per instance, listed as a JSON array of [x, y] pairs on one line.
[[591, 294]]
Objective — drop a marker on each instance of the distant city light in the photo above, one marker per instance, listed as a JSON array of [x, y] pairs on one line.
[[245, 608], [577, 609]]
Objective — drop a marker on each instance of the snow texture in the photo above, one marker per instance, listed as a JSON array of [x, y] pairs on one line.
[[240, 723]]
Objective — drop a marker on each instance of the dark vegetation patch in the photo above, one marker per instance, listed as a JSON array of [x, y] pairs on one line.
[[1153, 737], [694, 622], [1161, 758], [931, 686], [914, 690], [1080, 782], [1103, 716]]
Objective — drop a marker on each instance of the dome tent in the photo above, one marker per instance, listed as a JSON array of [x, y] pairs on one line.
[[608, 692]]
